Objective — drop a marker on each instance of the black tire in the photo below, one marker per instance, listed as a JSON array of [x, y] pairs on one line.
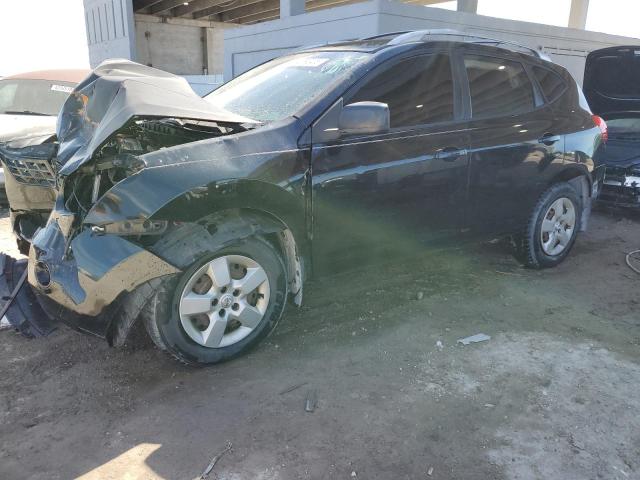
[[528, 244], [161, 313]]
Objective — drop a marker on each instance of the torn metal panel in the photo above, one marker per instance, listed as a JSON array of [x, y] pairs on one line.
[[24, 313]]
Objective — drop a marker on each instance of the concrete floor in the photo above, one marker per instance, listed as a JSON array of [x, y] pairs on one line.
[[553, 395]]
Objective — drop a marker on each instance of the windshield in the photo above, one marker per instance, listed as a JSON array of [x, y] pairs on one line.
[[284, 86], [35, 97]]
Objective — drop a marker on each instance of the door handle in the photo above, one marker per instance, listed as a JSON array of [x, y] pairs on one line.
[[450, 154], [549, 139]]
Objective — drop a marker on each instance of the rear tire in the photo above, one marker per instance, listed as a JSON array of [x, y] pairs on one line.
[[197, 338], [552, 228]]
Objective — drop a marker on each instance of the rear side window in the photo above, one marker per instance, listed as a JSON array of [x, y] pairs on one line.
[[418, 90], [498, 87], [551, 83]]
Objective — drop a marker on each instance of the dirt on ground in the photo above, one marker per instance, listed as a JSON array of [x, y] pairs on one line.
[[552, 395]]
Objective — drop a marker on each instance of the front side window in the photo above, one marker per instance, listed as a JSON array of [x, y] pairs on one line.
[[33, 97], [284, 86], [418, 90], [498, 87]]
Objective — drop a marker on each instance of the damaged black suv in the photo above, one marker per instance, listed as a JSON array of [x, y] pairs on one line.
[[203, 216]]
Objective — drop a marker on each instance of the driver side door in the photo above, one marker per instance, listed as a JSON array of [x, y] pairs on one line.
[[378, 195]]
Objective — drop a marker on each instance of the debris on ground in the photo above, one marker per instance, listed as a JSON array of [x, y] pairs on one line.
[[19, 301], [354, 474], [479, 337], [311, 401], [213, 462], [293, 387], [635, 255], [420, 295], [439, 345], [430, 471], [4, 323]]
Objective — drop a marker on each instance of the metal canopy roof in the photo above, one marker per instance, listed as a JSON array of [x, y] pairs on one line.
[[232, 11]]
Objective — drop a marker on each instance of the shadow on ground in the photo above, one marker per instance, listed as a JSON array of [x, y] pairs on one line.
[[553, 394]]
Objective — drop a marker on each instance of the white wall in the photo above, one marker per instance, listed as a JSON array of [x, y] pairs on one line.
[[248, 46], [110, 30], [180, 46]]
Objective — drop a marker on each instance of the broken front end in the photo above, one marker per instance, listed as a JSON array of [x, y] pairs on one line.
[[90, 274]]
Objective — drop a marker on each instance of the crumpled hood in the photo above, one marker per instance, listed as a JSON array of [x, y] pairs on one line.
[[118, 91], [30, 129]]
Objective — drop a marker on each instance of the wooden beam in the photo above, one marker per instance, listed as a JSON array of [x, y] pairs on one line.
[[142, 4], [268, 9], [261, 9], [194, 7], [275, 14], [165, 5], [227, 7]]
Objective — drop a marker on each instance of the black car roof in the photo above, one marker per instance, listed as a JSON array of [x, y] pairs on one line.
[[394, 39]]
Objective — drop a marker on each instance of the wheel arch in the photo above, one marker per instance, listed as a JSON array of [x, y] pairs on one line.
[[579, 178], [220, 227]]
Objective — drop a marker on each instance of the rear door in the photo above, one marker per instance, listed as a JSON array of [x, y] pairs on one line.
[[512, 141], [384, 194]]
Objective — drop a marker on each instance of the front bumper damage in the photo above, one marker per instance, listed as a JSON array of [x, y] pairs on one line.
[[84, 280]]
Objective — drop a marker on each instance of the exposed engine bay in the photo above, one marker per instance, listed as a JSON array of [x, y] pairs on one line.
[[119, 158]]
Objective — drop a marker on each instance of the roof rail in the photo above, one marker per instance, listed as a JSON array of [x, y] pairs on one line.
[[382, 35], [426, 35]]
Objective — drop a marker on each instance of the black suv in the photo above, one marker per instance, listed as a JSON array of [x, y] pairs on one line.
[[203, 216]]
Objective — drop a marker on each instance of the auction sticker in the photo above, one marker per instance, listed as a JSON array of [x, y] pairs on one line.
[[307, 62], [61, 88]]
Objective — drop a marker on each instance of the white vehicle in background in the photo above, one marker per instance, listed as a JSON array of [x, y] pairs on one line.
[[29, 106]]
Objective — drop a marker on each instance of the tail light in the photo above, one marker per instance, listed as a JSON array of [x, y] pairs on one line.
[[602, 125]]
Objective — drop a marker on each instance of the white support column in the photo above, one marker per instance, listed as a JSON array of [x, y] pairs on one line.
[[578, 14], [289, 8], [469, 6]]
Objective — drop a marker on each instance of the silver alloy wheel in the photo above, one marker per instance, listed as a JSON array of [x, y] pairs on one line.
[[224, 301], [557, 226]]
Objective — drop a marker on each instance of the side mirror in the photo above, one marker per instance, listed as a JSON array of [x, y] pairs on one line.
[[364, 118]]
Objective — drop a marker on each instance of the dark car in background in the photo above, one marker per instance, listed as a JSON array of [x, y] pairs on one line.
[[29, 106], [612, 87], [203, 216]]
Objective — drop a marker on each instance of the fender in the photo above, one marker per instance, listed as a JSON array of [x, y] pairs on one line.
[[192, 172]]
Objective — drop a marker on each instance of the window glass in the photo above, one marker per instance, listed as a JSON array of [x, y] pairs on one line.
[[33, 96], [552, 84], [498, 87], [618, 76], [284, 86], [418, 90], [624, 128]]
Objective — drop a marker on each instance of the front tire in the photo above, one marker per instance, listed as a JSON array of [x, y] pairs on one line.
[[222, 305], [552, 228]]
